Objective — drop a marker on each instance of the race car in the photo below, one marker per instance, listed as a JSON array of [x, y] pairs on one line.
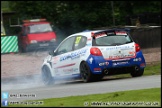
[[93, 54]]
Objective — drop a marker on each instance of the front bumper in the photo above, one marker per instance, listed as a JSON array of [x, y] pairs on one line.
[[42, 45]]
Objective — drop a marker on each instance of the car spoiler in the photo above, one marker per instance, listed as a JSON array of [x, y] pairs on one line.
[[116, 31]]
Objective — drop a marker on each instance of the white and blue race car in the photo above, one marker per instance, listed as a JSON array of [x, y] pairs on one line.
[[91, 55]]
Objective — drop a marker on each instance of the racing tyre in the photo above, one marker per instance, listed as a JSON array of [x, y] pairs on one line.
[[46, 76], [85, 72], [136, 73]]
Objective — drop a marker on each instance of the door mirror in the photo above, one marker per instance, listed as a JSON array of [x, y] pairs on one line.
[[51, 52]]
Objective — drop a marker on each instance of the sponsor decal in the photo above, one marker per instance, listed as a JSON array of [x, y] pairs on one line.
[[118, 57], [137, 59], [65, 65], [75, 69], [68, 70], [98, 34], [110, 33], [121, 54], [97, 69], [73, 55], [119, 47], [90, 60], [121, 33], [104, 63], [132, 52], [120, 63], [71, 70]]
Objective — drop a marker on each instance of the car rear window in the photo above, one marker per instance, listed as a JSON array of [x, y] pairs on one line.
[[111, 39]]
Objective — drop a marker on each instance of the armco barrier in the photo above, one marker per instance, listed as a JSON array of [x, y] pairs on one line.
[[9, 44]]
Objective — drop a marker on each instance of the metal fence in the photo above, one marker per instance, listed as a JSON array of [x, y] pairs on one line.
[[149, 37]]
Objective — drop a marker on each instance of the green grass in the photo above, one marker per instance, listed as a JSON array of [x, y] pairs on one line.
[[144, 97], [151, 69]]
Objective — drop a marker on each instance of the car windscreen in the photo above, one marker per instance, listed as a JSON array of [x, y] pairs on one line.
[[39, 28], [111, 39]]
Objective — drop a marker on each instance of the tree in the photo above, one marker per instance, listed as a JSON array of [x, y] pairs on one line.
[[75, 16]]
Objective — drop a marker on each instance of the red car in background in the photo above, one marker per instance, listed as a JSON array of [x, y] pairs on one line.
[[36, 33]]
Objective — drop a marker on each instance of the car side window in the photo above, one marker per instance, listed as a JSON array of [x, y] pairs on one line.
[[80, 42], [66, 46]]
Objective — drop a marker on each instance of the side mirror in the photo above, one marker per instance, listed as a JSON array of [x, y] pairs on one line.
[[51, 52]]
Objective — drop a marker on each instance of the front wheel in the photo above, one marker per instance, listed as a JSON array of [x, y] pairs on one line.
[[85, 72], [46, 76]]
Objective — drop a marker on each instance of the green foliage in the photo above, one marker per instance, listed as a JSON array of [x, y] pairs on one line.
[[75, 16], [5, 6]]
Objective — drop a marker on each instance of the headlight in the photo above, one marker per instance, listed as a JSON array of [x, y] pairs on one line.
[[33, 41], [49, 58]]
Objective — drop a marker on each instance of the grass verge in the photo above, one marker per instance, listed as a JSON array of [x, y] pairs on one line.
[[136, 98], [153, 68]]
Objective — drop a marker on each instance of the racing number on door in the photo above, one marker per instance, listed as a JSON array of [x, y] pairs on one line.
[[78, 40]]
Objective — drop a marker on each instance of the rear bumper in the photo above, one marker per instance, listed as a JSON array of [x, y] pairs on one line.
[[99, 64]]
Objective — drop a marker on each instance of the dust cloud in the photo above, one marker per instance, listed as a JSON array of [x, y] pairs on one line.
[[26, 63]]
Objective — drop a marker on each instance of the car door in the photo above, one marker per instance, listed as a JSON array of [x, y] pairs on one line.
[[62, 61], [78, 53]]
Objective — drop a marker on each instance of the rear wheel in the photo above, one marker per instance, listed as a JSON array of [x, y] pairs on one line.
[[137, 72], [85, 72], [46, 76]]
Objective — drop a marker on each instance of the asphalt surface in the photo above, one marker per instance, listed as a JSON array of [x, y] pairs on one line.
[[36, 90]]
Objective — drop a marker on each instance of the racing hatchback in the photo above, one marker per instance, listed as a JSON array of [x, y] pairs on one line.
[[91, 55]]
